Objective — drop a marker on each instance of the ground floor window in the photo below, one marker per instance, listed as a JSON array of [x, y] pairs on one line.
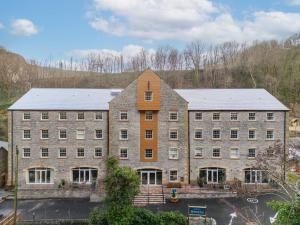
[[40, 176], [84, 175], [150, 176], [253, 176], [212, 175]]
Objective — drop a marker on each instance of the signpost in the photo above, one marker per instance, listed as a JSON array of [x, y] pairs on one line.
[[197, 211]]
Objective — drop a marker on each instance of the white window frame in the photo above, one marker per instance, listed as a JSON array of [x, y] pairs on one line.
[[212, 134], [213, 114], [173, 170], [59, 134], [145, 153], [77, 151], [198, 148], [176, 154], [120, 153], [95, 150], [170, 131], [99, 138], [249, 116], [59, 153], [46, 138], [41, 154], [237, 156], [120, 134], [146, 96], [26, 138], [270, 139], [216, 157], [120, 115], [148, 134], [231, 116], [77, 116], [148, 111], [252, 139], [100, 113], [267, 117], [250, 157], [23, 155], [238, 135], [170, 115], [195, 117], [40, 170], [28, 113], [78, 135], [59, 116], [195, 131], [42, 115]]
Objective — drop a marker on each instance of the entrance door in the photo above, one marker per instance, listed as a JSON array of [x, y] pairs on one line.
[[150, 177], [144, 178], [212, 176]]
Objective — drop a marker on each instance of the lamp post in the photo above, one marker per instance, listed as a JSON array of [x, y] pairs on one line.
[[16, 186]]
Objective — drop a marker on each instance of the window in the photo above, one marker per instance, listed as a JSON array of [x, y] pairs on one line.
[[26, 134], [84, 175], [212, 175], [173, 116], [270, 135], [123, 134], [251, 116], [26, 116], [173, 134], [148, 95], [270, 116], [216, 134], [148, 134], [26, 152], [62, 153], [123, 116], [44, 153], [44, 134], [251, 153], [80, 152], [148, 153], [98, 116], [198, 134], [98, 152], [173, 175], [198, 116], [62, 115], [198, 152], [44, 116], [234, 134], [234, 116], [80, 116], [216, 116], [234, 153], [40, 176], [216, 153], [251, 134], [123, 153], [253, 176], [80, 134], [173, 153], [62, 134], [98, 134], [148, 115]]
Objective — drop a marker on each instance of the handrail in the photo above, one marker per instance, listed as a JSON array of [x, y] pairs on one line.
[[148, 196], [162, 191]]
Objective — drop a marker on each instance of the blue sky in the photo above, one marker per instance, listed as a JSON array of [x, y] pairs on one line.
[[58, 29]]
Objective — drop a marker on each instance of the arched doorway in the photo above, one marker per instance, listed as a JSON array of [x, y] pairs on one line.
[[150, 176]]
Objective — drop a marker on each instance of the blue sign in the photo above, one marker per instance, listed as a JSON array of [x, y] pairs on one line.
[[197, 211]]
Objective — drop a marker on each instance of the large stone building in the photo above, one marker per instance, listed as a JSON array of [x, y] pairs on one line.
[[167, 135]]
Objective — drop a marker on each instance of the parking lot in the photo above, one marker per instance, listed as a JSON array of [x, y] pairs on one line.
[[219, 209]]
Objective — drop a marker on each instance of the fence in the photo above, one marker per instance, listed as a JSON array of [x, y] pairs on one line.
[[54, 222]]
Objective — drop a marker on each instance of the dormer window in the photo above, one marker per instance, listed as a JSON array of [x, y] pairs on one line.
[[148, 96]]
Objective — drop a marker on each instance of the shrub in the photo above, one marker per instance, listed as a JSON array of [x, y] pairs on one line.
[[172, 218], [144, 217], [174, 185]]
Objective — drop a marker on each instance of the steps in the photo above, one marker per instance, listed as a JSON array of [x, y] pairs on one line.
[[152, 198]]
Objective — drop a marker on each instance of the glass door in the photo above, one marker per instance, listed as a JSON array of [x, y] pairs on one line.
[[144, 177], [152, 178]]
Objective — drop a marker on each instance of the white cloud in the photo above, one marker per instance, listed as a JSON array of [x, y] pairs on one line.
[[1, 25], [23, 27], [188, 20], [294, 2]]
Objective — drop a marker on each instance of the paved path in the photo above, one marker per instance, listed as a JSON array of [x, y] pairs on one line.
[[220, 209]]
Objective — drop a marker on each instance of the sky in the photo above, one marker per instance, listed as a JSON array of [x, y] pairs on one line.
[[60, 29]]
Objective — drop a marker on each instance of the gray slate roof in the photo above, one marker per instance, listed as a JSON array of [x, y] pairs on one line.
[[98, 99], [4, 144]]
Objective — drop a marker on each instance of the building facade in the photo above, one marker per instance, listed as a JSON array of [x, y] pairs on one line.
[[167, 135]]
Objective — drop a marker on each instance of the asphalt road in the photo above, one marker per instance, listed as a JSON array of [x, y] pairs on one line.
[[219, 209]]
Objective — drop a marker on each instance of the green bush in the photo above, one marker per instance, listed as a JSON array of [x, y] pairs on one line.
[[145, 217], [171, 218]]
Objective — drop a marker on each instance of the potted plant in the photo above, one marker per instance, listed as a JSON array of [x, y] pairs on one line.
[[174, 197]]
